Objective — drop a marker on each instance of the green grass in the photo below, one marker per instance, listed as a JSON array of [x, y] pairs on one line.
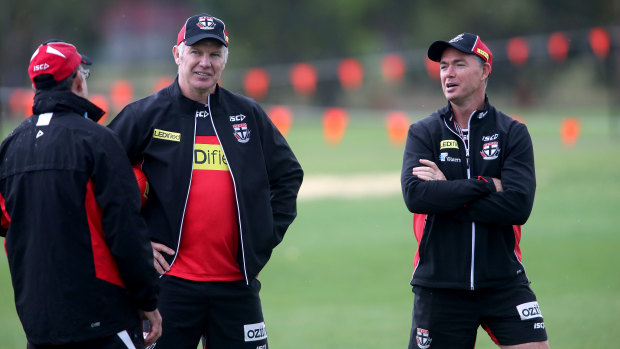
[[340, 278]]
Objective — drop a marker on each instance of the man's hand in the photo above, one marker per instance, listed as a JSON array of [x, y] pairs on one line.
[[428, 172], [154, 319], [158, 260]]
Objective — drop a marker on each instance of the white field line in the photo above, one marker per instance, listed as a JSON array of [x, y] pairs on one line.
[[317, 187]]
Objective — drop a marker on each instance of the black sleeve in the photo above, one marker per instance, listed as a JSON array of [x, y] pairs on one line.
[[429, 197], [514, 204], [285, 175], [132, 136], [117, 194]]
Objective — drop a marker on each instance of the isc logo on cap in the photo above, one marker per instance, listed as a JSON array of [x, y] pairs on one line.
[[40, 67], [255, 332]]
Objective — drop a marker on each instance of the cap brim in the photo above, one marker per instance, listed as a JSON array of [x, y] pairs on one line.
[[194, 39], [436, 50], [86, 60]]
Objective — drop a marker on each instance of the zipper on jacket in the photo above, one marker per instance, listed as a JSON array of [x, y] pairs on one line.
[[189, 185], [473, 224], [245, 270]]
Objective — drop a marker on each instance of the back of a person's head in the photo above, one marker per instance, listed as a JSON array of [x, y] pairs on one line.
[[54, 65]]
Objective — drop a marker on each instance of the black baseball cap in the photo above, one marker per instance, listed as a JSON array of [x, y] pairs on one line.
[[202, 26], [464, 42]]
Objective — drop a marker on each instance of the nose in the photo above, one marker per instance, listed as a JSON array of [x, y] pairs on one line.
[[205, 61]]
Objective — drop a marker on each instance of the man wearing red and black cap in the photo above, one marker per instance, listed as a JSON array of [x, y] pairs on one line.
[[223, 188], [468, 178], [77, 247]]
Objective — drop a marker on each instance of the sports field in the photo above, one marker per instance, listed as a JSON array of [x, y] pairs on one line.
[[340, 278]]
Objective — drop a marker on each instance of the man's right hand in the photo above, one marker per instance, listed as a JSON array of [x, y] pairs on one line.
[[154, 319], [158, 259]]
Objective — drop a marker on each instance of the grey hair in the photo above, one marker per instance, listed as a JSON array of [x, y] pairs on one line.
[[181, 49]]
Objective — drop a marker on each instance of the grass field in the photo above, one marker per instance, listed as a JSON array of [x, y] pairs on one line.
[[340, 278]]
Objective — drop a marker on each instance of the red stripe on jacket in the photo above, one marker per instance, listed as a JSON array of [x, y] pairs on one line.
[[105, 265], [419, 221]]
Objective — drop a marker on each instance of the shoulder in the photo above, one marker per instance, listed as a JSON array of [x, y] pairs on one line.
[[228, 97]]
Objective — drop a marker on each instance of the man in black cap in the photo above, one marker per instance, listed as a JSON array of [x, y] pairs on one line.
[[77, 247], [468, 177], [223, 189]]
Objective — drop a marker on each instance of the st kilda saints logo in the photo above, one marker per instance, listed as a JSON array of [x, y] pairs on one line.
[[242, 134], [490, 151], [206, 23], [423, 338]]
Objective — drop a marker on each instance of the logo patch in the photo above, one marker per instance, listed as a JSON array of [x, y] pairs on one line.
[[443, 157], [457, 38], [423, 338], [209, 157], [490, 151], [202, 113], [242, 134], [529, 310], [166, 135], [448, 144], [255, 332], [206, 23]]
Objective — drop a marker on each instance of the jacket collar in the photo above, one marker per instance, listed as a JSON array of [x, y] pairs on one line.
[[65, 101], [189, 106], [446, 112]]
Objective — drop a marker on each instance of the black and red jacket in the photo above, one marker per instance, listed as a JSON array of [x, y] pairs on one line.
[[78, 251], [468, 234], [158, 132]]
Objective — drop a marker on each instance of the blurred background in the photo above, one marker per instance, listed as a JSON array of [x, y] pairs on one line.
[[365, 54], [342, 80]]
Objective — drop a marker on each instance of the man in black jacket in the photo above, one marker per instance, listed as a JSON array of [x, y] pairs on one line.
[[223, 189], [77, 247], [468, 177]]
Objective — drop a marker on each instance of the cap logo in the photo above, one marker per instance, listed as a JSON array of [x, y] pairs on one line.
[[206, 23], [457, 38], [481, 52], [54, 51]]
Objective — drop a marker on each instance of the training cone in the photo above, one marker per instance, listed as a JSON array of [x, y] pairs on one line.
[[282, 117], [397, 125], [570, 129], [335, 121]]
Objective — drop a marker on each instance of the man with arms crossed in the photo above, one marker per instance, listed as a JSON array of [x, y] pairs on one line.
[[223, 189], [468, 177]]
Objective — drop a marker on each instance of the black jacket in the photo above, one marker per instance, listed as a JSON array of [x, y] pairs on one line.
[[159, 131], [78, 251], [468, 234]]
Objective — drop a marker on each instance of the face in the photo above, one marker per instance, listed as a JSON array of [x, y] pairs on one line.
[[200, 68], [462, 76]]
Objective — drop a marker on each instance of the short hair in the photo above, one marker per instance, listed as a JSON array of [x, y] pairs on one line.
[[181, 49], [46, 82]]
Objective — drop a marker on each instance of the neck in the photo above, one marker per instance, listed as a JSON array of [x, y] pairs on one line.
[[193, 94], [462, 111]]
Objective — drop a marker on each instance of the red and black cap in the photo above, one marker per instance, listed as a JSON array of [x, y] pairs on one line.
[[466, 43], [56, 58], [202, 26]]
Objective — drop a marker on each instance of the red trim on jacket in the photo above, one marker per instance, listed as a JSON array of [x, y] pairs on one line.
[[105, 265], [517, 231], [419, 221], [5, 218]]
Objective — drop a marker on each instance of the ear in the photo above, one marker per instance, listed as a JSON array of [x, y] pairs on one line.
[[78, 87], [486, 70], [175, 54]]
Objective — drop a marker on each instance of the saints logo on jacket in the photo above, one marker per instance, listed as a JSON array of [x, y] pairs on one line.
[[241, 132]]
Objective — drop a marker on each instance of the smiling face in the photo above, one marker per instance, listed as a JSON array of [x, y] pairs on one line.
[[200, 68], [463, 77]]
